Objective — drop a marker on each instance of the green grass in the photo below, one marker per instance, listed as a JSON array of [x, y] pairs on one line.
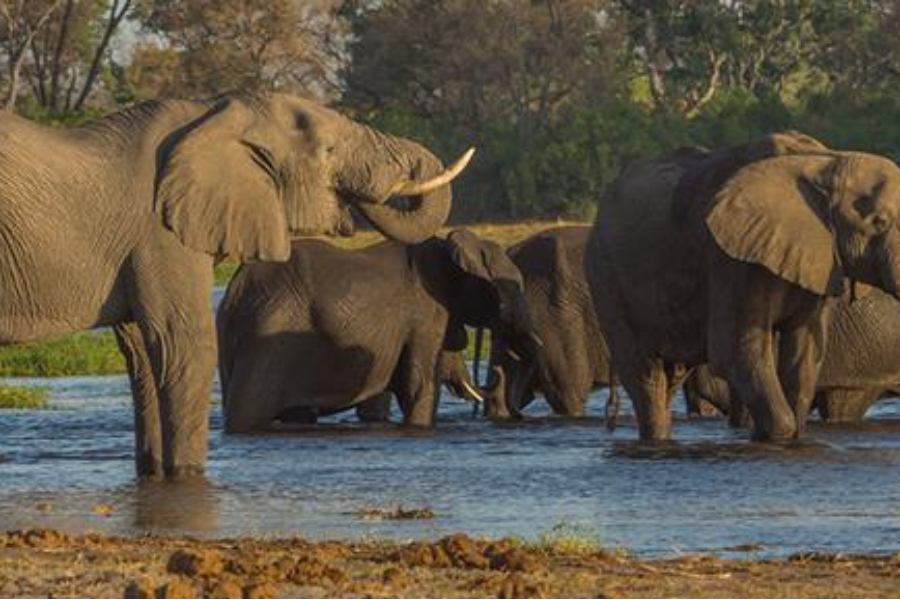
[[568, 539], [20, 398], [224, 272], [88, 353]]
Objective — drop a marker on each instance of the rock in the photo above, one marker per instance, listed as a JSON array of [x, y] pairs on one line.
[[395, 577], [37, 538], [195, 563], [260, 590], [226, 587], [142, 588], [177, 588], [517, 586], [464, 552], [311, 571], [514, 559]]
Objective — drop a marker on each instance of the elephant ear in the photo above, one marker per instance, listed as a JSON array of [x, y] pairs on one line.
[[468, 253], [773, 213], [217, 188]]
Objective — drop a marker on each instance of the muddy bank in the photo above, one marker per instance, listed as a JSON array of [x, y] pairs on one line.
[[44, 563]]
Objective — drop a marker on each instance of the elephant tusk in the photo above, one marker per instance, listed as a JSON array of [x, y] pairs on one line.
[[420, 188], [514, 355], [475, 393], [536, 340]]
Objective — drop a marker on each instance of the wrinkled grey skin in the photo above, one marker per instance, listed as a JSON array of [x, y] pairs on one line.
[[452, 373], [119, 223], [718, 257], [861, 364], [573, 359], [332, 328]]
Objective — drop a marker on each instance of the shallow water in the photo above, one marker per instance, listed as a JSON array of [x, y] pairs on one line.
[[710, 492]]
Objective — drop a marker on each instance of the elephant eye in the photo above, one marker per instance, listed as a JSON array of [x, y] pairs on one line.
[[881, 222]]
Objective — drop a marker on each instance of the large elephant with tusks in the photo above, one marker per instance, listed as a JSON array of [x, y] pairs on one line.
[[120, 222]]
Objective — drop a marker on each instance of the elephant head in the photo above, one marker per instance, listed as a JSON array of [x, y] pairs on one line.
[[812, 219], [488, 291], [256, 170]]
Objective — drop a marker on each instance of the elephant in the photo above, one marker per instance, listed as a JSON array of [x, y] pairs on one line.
[[574, 358], [452, 373], [332, 328], [120, 222], [861, 363], [718, 257]]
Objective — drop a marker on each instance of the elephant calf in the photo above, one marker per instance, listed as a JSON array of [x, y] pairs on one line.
[[332, 328], [861, 363], [574, 358]]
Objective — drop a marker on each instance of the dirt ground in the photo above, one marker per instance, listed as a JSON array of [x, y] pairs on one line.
[[42, 563]]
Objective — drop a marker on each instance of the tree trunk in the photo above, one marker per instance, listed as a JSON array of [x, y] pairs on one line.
[[115, 18]]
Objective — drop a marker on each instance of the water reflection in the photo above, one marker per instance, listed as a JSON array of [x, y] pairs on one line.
[[838, 490], [191, 506]]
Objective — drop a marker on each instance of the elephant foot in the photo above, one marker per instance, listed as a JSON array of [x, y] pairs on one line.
[[844, 406], [781, 434], [149, 469], [184, 472]]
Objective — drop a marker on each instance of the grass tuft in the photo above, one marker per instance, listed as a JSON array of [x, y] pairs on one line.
[[568, 539], [88, 353], [20, 398]]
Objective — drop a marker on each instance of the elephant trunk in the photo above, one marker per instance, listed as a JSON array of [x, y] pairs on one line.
[[495, 405], [379, 167], [476, 360], [889, 269]]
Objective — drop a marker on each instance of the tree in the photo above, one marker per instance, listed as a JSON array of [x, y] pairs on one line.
[[69, 56], [21, 22], [469, 62], [210, 46]]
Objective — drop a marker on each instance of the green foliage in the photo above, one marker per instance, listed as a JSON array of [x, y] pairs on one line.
[[51, 118], [21, 398], [224, 272], [89, 353]]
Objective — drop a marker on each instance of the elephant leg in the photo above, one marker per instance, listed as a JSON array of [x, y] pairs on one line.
[[754, 382], [800, 354], [611, 411], [495, 404], [745, 303], [147, 428], [257, 390], [183, 359], [172, 307], [647, 385], [845, 405], [419, 388], [376, 409]]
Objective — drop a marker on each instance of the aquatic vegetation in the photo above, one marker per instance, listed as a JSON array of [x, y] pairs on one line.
[[568, 539], [22, 398], [88, 353], [397, 513]]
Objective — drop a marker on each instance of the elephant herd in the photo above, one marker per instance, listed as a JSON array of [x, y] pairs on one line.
[[761, 277]]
